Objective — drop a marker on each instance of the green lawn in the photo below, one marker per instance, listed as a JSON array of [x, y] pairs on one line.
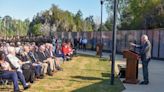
[[82, 74]]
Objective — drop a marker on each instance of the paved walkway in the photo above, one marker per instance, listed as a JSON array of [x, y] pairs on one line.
[[156, 72]]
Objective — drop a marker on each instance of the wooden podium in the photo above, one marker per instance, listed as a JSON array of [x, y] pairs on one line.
[[131, 75]]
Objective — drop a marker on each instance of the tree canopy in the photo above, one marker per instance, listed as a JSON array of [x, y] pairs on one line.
[[132, 15], [13, 27], [46, 22], [139, 14], [59, 20]]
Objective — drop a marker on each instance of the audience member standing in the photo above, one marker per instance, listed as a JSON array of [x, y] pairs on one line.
[[84, 42]]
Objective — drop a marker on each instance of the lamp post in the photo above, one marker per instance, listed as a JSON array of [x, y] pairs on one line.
[[18, 27], [50, 14], [0, 23], [5, 25], [114, 41], [101, 2]]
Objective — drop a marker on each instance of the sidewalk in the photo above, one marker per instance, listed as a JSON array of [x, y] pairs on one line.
[[156, 74]]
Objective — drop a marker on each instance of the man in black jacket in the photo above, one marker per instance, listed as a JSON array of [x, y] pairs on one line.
[[145, 54], [43, 59]]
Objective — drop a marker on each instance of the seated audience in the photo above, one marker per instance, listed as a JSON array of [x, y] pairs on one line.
[[50, 56], [23, 60], [67, 50], [26, 58], [37, 65], [8, 73], [16, 64], [56, 58], [43, 59]]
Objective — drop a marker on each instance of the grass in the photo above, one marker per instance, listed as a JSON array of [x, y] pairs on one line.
[[82, 74]]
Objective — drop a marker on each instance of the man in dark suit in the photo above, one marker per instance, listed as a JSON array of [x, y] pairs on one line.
[[43, 58], [145, 54]]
